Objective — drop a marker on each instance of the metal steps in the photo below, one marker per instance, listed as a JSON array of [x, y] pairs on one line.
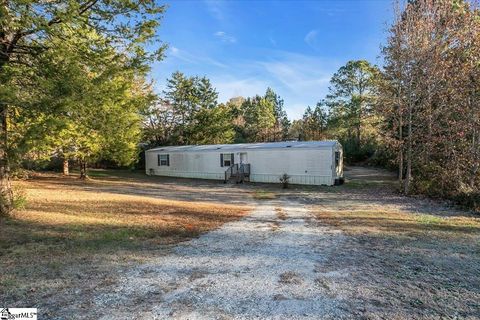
[[238, 173]]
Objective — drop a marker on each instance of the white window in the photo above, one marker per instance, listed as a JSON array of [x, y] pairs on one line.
[[163, 160], [226, 159]]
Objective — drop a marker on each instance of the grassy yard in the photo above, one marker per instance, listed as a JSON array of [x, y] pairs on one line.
[[73, 232], [404, 262]]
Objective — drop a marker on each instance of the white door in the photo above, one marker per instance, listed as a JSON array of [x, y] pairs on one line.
[[243, 157]]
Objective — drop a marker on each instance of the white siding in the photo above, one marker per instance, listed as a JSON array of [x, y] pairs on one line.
[[304, 166], [200, 165]]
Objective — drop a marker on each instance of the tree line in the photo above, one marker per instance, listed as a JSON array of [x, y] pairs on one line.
[[187, 112], [430, 97], [73, 81]]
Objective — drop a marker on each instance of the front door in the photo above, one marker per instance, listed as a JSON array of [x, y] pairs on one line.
[[243, 157]]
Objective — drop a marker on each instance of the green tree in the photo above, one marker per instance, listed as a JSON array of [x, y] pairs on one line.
[[351, 100], [30, 30], [213, 126], [259, 116], [212, 122], [282, 123], [182, 96], [189, 114], [314, 122]]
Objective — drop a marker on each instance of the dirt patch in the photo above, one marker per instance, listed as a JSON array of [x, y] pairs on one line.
[[290, 277], [248, 272]]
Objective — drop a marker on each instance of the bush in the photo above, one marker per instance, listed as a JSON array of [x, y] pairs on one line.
[[285, 179], [19, 198], [21, 174], [354, 153], [469, 200]]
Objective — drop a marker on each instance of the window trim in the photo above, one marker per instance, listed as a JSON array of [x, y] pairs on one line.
[[165, 162], [224, 158]]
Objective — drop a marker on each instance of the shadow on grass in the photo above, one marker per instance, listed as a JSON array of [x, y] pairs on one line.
[[408, 266], [412, 224]]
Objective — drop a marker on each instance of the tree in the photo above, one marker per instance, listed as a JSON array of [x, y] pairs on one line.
[[29, 30], [296, 130], [212, 122], [213, 126], [430, 97], [314, 122], [282, 123], [158, 124], [238, 120], [351, 100], [100, 115], [259, 116], [182, 96], [188, 114]]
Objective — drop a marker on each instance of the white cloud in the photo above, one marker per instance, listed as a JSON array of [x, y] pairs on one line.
[[311, 37], [222, 35], [299, 72], [230, 86], [300, 80], [193, 59], [216, 9], [174, 50]]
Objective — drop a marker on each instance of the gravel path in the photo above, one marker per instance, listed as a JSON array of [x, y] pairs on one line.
[[263, 266]]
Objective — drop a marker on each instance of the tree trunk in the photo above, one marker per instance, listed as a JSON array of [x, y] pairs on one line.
[[358, 136], [408, 175], [6, 193], [400, 159], [83, 170], [400, 153], [65, 167]]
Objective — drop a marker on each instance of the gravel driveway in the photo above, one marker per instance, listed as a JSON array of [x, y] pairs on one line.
[[260, 267]]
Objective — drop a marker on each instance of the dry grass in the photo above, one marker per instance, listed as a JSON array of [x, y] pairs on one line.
[[281, 214], [75, 232], [264, 195], [399, 223], [409, 265]]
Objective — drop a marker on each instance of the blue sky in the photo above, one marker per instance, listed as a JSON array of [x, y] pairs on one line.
[[243, 47]]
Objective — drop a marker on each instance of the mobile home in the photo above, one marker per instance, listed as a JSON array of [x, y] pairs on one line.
[[305, 162]]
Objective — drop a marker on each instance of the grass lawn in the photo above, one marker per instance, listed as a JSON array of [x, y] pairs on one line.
[[405, 263], [72, 231]]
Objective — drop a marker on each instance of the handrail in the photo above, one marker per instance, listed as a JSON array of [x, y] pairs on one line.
[[230, 171], [240, 171], [245, 168]]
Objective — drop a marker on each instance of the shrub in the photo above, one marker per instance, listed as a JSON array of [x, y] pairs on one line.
[[285, 179], [19, 198]]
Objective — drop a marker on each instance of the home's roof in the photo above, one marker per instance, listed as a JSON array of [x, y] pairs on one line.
[[248, 146]]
